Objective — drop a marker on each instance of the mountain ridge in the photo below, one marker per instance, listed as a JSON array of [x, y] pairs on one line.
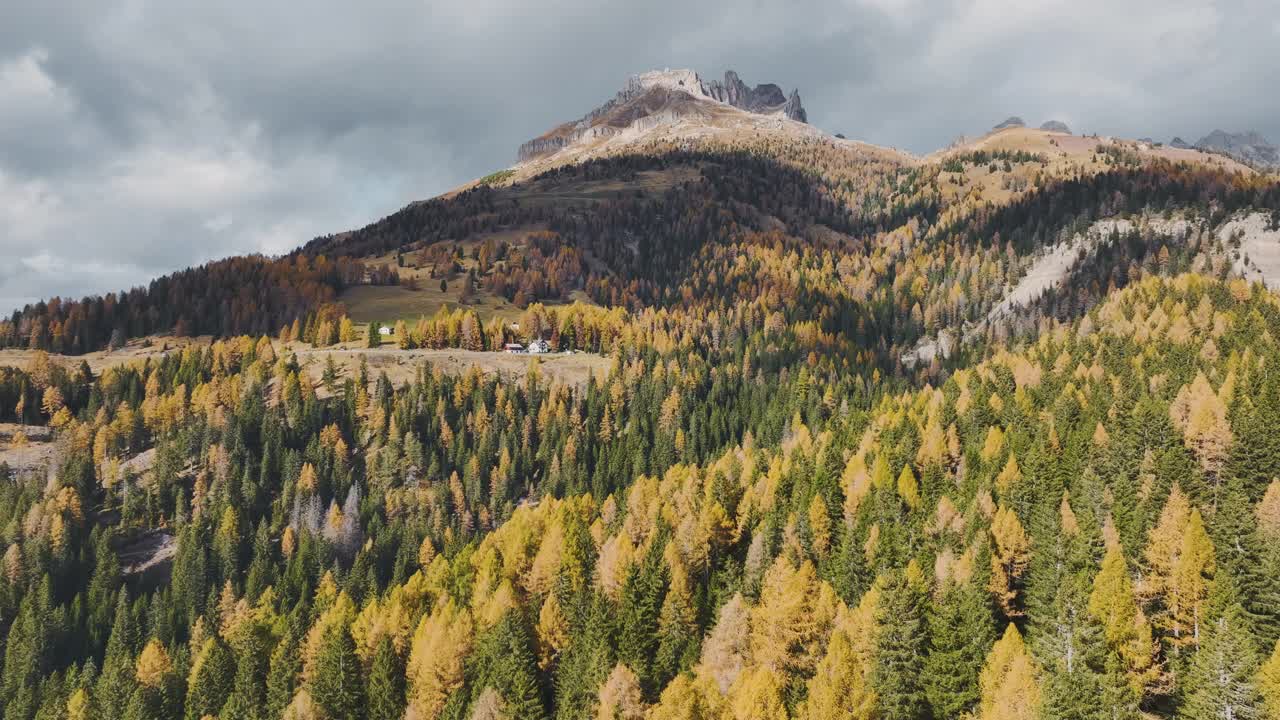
[[662, 96], [1248, 146]]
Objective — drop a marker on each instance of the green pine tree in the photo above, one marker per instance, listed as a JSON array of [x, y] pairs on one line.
[[1221, 680], [641, 600], [961, 633], [115, 685], [386, 683], [509, 666], [1241, 553], [336, 684], [587, 661], [282, 675], [211, 681], [902, 646], [252, 647]]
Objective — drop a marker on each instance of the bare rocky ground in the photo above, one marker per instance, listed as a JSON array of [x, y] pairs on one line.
[[1259, 257], [1053, 265], [150, 553], [26, 458], [26, 448]]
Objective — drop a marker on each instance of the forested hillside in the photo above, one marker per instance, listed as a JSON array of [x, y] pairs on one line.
[[1094, 516], [711, 226], [994, 435]]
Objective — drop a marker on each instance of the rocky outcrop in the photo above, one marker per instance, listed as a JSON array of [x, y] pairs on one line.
[[662, 96], [1247, 147], [540, 146], [1013, 122], [1056, 126], [793, 109], [553, 142], [1179, 143], [762, 99]]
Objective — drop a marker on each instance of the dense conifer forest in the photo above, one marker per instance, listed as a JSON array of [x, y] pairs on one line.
[[762, 510]]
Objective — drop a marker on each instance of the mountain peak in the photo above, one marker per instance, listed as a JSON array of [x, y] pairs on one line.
[[651, 98], [1248, 147]]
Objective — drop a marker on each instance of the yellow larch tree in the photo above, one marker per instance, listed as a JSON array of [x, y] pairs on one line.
[[1269, 683], [792, 619], [840, 687], [757, 695], [153, 664], [1114, 604], [1010, 555], [687, 698], [1201, 415], [436, 659], [1008, 683], [1180, 567]]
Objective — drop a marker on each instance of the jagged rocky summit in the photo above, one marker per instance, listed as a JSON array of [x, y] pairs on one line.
[[1247, 147], [658, 96], [1013, 122]]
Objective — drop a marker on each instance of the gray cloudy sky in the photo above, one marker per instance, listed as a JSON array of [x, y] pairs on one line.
[[142, 136]]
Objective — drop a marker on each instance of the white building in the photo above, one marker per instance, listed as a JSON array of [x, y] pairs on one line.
[[539, 346]]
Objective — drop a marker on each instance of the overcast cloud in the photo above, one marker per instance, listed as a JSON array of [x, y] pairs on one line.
[[142, 136]]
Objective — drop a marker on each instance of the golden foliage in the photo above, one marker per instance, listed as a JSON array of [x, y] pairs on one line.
[[757, 695], [1180, 567], [1010, 689], [153, 664], [840, 687], [688, 699], [792, 619], [440, 648], [1269, 683], [909, 488], [1268, 511], [1114, 604], [1201, 415], [1010, 556]]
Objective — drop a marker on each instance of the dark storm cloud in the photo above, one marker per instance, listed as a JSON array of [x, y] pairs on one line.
[[137, 136]]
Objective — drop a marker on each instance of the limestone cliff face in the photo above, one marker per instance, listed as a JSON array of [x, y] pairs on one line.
[[762, 99], [661, 96]]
